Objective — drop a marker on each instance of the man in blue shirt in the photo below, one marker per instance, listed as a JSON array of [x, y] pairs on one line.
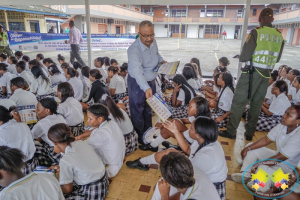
[[143, 57]]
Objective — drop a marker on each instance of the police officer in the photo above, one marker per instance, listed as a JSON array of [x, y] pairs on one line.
[[261, 51], [4, 42]]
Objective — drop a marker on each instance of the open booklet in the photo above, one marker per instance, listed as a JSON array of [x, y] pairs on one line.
[[150, 134], [167, 68], [27, 114], [160, 107]]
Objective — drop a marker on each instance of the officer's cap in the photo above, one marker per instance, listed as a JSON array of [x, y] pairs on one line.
[[266, 12]]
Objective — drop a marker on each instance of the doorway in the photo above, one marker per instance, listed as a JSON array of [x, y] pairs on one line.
[[118, 30], [34, 26]]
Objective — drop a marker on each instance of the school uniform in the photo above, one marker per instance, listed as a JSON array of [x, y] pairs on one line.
[[118, 83], [269, 94], [18, 98], [96, 91], [203, 189], [278, 108], [27, 76], [224, 105], [108, 142], [103, 73], [17, 135], [158, 85], [71, 110], [5, 82], [130, 136], [45, 68], [45, 149], [34, 187], [58, 78], [41, 88], [77, 87], [210, 159], [12, 69], [192, 82], [7, 103], [295, 95], [27, 67], [81, 166]]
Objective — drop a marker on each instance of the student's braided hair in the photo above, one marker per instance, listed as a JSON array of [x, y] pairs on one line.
[[61, 133], [207, 128], [11, 159], [177, 170], [99, 110]]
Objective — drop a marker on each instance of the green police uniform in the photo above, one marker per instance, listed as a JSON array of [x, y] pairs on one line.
[[4, 44], [264, 47]]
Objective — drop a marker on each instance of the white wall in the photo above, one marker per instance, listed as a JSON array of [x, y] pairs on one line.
[[132, 30], [160, 30], [192, 31], [229, 30]]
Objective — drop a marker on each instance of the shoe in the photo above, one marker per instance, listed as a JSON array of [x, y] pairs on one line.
[[227, 135], [148, 147], [136, 164], [141, 141], [239, 161], [237, 177], [170, 145]]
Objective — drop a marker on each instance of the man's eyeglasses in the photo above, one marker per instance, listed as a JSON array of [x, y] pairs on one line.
[[147, 36]]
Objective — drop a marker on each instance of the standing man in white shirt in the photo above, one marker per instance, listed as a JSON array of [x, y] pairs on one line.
[[75, 39]]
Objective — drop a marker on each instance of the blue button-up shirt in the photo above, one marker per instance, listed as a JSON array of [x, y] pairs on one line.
[[141, 62]]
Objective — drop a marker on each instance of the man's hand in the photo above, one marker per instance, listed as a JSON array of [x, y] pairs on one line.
[[148, 93]]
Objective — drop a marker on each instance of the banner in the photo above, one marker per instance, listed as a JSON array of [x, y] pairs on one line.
[[56, 42]]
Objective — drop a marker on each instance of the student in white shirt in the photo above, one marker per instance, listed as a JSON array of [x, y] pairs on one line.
[[269, 96], [48, 62], [205, 153], [222, 110], [5, 81], [211, 92], [65, 66], [190, 75], [75, 81], [124, 72], [120, 117], [70, 108], [184, 178], [80, 166], [77, 66], [19, 55], [55, 75], [7, 103], [46, 112], [182, 94], [26, 59], [85, 71], [16, 134], [114, 62], [12, 61], [198, 77], [284, 74], [40, 58], [287, 138], [296, 91], [19, 187], [27, 75], [106, 63], [117, 86], [270, 115], [21, 96], [3, 58], [107, 138], [41, 85], [98, 62], [291, 77]]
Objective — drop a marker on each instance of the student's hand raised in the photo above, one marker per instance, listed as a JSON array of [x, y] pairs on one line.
[[171, 126], [164, 189], [177, 88]]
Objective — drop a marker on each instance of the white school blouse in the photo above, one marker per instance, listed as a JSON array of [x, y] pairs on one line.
[[34, 187], [193, 83], [269, 94], [7, 103], [118, 83], [57, 78], [17, 135], [5, 81], [77, 87], [125, 125], [279, 105], [40, 86], [81, 164], [29, 78], [295, 95], [226, 99], [181, 95], [109, 143], [12, 69], [211, 160], [18, 98], [71, 110], [41, 128], [103, 73], [287, 144]]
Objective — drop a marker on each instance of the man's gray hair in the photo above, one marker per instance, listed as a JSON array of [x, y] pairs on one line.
[[145, 23]]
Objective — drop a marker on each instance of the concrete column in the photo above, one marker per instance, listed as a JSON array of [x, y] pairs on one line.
[[205, 13], [78, 22], [88, 27], [109, 28], [224, 14], [6, 20], [168, 8]]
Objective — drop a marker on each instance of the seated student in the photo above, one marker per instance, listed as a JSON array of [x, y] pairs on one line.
[[20, 95], [190, 75], [34, 62], [46, 112], [114, 62], [5, 81], [198, 78], [26, 59], [120, 117], [12, 61], [41, 85], [98, 62], [40, 59], [107, 138], [85, 71], [19, 55], [296, 92], [77, 66], [98, 89], [56, 75], [70, 108], [19, 187], [205, 153], [81, 171], [27, 75], [284, 74], [223, 63], [7, 103], [221, 111], [212, 92], [117, 86], [269, 96], [48, 61], [291, 77], [106, 63], [61, 59], [15, 134], [182, 94], [287, 137], [124, 72], [179, 175], [198, 106], [3, 58], [75, 81], [270, 115], [65, 66], [197, 62]]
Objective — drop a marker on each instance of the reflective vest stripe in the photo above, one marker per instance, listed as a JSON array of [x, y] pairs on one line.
[[259, 65], [265, 52]]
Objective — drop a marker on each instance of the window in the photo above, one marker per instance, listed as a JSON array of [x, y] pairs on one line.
[[178, 13], [240, 13], [175, 28], [212, 29], [212, 13], [16, 26], [147, 11]]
